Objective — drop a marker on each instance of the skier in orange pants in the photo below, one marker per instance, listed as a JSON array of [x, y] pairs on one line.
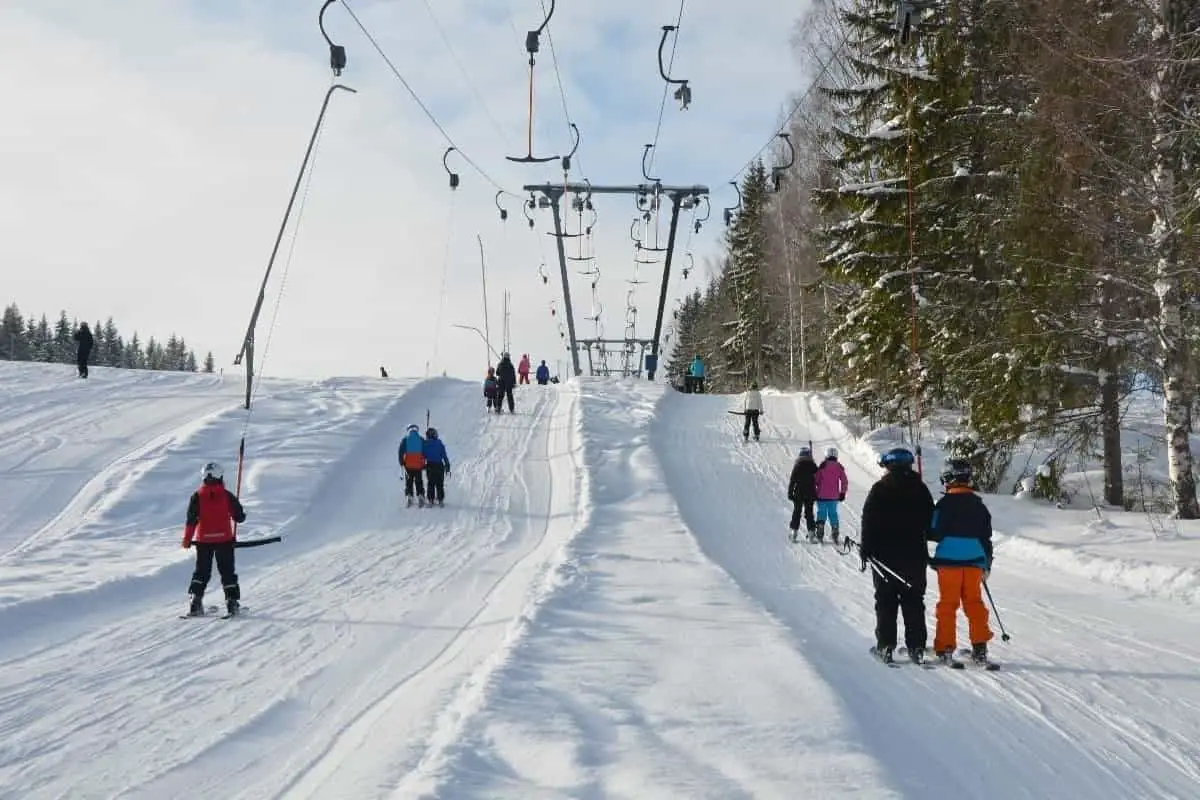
[[962, 528]]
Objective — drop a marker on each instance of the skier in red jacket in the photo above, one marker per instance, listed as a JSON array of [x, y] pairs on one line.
[[211, 514]]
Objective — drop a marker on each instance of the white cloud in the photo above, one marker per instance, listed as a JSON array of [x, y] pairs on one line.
[[149, 147]]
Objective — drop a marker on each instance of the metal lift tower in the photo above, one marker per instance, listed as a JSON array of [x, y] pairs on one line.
[[679, 195]]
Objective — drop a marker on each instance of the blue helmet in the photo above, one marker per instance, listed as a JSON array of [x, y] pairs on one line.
[[897, 458]]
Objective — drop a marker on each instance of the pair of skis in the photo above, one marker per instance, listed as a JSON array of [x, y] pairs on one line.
[[901, 657], [212, 612]]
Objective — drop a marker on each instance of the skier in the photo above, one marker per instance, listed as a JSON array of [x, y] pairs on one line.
[[895, 522], [211, 513], [437, 467], [543, 374], [412, 458], [831, 484], [523, 369], [962, 528], [383, 372], [491, 390], [86, 342], [802, 491], [751, 409], [694, 382], [507, 375]]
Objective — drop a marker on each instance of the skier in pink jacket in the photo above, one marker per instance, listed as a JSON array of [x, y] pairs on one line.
[[523, 369], [831, 483]]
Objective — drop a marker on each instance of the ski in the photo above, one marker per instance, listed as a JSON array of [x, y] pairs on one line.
[[209, 611], [987, 666], [924, 663], [879, 657]]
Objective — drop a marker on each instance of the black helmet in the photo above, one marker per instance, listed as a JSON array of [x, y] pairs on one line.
[[431, 433], [958, 471], [897, 458]]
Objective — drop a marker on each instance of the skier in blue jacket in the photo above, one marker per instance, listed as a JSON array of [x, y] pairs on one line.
[[543, 374], [437, 467]]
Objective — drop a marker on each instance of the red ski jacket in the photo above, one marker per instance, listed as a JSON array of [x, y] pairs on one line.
[[210, 516]]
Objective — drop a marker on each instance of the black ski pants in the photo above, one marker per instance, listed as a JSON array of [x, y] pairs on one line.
[[205, 554], [803, 505], [435, 477], [81, 361], [413, 479], [751, 419], [506, 392], [892, 597]]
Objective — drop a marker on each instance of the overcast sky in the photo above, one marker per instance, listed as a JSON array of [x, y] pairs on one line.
[[148, 148]]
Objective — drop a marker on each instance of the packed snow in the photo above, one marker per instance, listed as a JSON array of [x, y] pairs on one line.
[[607, 606]]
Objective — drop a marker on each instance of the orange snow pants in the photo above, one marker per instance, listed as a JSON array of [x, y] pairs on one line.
[[960, 585]]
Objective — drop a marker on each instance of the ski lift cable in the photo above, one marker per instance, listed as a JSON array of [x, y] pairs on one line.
[[421, 103], [466, 75], [662, 107], [812, 87]]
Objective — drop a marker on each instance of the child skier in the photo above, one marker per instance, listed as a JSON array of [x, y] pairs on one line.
[[491, 389], [211, 514], [831, 484], [802, 491], [523, 368], [895, 521], [543, 373], [962, 528], [751, 409], [412, 458], [437, 467]]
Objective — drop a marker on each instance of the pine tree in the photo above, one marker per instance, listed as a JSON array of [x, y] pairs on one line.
[[210, 364], [62, 345], [13, 345], [114, 346], [746, 243], [189, 362]]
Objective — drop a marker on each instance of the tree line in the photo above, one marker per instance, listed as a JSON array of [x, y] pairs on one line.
[[29, 339], [992, 210]]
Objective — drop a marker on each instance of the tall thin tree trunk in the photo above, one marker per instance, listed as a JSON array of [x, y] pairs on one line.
[[1110, 405], [1171, 100]]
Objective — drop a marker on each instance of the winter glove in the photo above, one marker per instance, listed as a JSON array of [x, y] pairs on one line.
[[842, 497], [185, 544]]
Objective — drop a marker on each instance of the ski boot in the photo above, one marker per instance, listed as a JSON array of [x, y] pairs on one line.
[[916, 655], [818, 533], [885, 654], [793, 535], [833, 530], [979, 654], [408, 501], [196, 606], [421, 501], [946, 659], [232, 607]]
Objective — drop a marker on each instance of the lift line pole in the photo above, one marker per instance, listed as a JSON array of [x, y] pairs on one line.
[[554, 192]]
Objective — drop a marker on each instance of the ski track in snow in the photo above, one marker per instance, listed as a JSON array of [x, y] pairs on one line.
[[1100, 693], [635, 679]]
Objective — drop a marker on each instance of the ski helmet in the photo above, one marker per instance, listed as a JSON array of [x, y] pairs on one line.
[[957, 471], [805, 452], [213, 472], [431, 433], [414, 428], [897, 458], [831, 452]]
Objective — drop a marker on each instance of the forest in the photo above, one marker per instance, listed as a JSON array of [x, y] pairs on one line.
[[990, 209], [28, 339]]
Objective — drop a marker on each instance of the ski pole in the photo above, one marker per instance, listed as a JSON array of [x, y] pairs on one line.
[[878, 565], [1004, 637]]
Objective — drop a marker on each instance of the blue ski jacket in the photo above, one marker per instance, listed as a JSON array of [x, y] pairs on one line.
[[962, 528], [696, 370], [435, 453]]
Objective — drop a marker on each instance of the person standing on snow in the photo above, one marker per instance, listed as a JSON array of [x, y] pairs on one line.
[[895, 521], [962, 528], [523, 369], [751, 409], [802, 491], [437, 467], [506, 374], [491, 390], [832, 484], [86, 342], [693, 383], [543, 374], [412, 458], [211, 514]]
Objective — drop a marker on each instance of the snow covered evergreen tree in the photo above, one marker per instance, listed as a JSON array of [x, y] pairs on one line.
[[746, 240]]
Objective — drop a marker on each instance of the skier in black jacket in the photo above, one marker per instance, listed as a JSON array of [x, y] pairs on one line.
[[895, 522], [506, 374], [86, 342], [802, 491]]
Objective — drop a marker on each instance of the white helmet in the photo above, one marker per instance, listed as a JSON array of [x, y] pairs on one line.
[[831, 452], [213, 471], [414, 428]]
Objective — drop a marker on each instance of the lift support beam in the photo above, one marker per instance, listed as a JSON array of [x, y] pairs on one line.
[[553, 192]]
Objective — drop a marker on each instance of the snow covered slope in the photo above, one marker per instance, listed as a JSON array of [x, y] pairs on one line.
[[1100, 696], [606, 607]]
